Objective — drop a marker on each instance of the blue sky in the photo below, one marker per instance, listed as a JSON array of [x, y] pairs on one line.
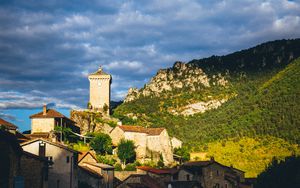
[[47, 48]]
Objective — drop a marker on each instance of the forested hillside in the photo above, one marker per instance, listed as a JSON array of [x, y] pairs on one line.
[[260, 97]]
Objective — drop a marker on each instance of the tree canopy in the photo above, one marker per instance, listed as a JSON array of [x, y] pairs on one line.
[[101, 143], [126, 152]]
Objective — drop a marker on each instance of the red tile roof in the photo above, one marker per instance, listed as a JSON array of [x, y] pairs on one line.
[[157, 171], [140, 129], [7, 124], [49, 114]]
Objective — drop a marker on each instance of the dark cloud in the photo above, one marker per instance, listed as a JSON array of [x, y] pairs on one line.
[[47, 48]]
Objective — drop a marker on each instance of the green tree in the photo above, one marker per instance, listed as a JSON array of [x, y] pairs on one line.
[[183, 152], [101, 143], [126, 152]]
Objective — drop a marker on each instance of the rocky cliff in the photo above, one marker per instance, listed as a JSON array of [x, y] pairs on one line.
[[90, 121]]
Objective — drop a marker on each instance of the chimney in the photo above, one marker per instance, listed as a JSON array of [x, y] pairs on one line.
[[42, 149], [44, 110], [212, 159]]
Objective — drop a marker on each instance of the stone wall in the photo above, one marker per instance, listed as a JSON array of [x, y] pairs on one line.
[[60, 171], [33, 171], [42, 125]]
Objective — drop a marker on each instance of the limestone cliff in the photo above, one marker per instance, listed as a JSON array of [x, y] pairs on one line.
[[90, 121], [184, 77]]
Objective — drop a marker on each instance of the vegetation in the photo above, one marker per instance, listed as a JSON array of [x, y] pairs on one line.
[[80, 146], [126, 152], [264, 90], [183, 152], [251, 155], [101, 143], [280, 173]]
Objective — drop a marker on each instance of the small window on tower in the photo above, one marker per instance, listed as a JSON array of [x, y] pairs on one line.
[[68, 159]]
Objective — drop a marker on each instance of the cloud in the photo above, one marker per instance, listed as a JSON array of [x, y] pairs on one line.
[[48, 48], [7, 117]]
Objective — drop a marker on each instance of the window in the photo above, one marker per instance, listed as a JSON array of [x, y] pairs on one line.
[[50, 158], [217, 172], [226, 186], [188, 177], [68, 159], [57, 184]]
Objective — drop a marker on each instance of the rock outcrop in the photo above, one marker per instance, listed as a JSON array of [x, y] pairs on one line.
[[90, 121], [180, 76]]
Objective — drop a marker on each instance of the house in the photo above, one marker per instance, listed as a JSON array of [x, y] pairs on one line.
[[11, 153], [43, 123], [139, 181], [176, 143], [20, 168], [210, 174], [8, 126], [160, 175], [93, 173], [149, 142], [64, 170], [197, 174], [34, 169]]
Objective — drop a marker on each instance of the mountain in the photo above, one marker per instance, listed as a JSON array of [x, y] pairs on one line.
[[252, 93]]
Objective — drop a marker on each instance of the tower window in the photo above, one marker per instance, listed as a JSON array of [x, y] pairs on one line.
[[68, 159]]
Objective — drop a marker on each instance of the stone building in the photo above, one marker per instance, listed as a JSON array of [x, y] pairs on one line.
[[210, 174], [34, 170], [19, 168], [148, 141], [100, 90], [102, 174], [10, 156], [43, 123], [176, 143], [139, 181], [64, 170]]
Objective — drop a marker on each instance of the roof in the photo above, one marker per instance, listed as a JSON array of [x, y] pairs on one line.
[[157, 171], [90, 171], [184, 184], [83, 154], [140, 129], [99, 72], [142, 180], [50, 113], [196, 165], [38, 135], [52, 143], [100, 165], [7, 124]]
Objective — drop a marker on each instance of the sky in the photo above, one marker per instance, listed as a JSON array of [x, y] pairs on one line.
[[48, 47]]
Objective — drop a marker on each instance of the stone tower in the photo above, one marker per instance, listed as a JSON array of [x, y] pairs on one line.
[[100, 90]]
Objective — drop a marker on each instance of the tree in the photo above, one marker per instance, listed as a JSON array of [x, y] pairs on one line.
[[101, 143], [126, 152], [281, 174], [183, 152]]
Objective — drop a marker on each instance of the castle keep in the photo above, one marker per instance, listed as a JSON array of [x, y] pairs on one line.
[[100, 90]]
